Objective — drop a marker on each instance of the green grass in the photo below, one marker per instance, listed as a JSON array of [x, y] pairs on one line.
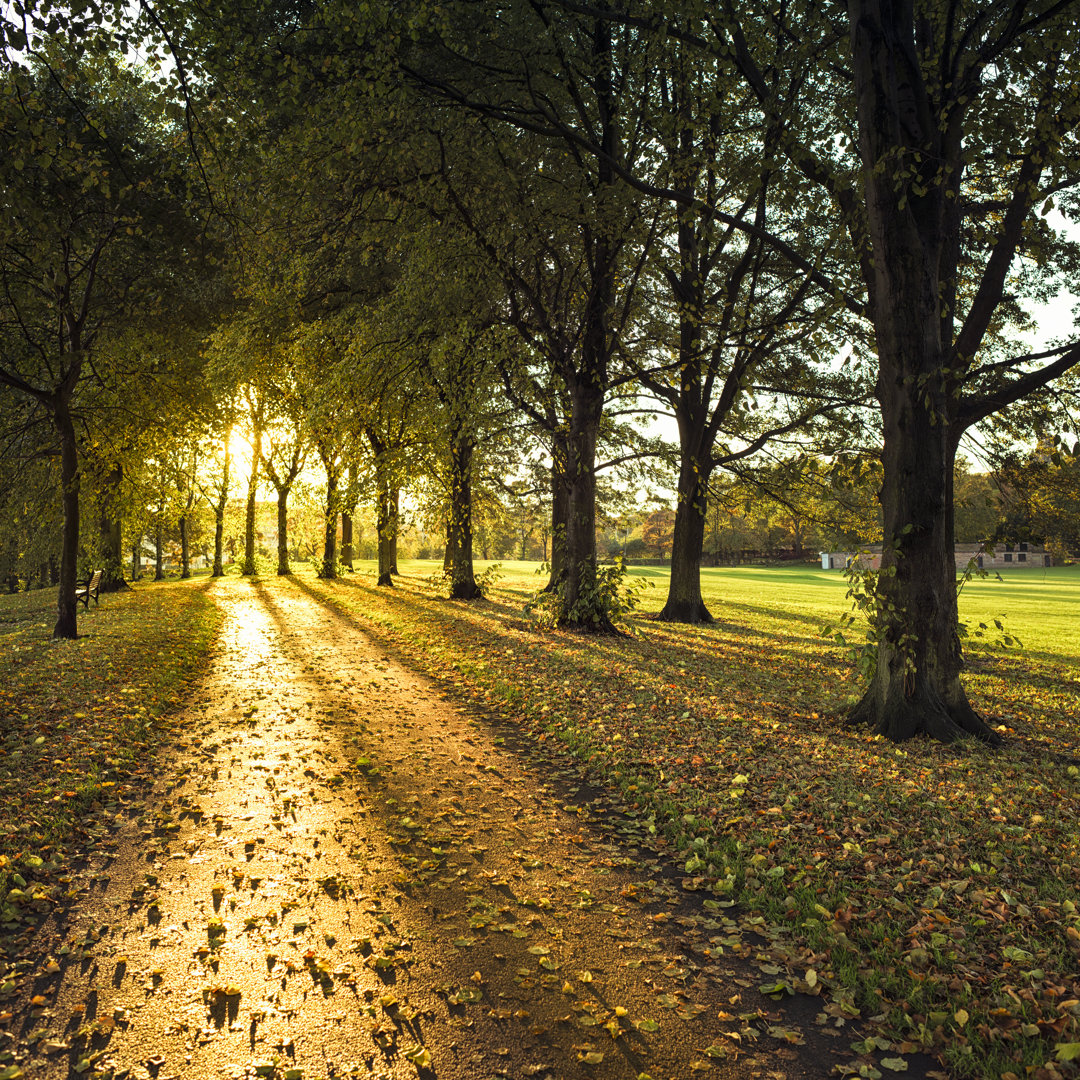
[[77, 720], [935, 890]]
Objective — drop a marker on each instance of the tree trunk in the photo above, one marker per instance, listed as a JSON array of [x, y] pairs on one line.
[[159, 559], [459, 538], [219, 517], [329, 562], [915, 687], [136, 560], [684, 601], [185, 549], [395, 522], [219, 541], [66, 616], [384, 526], [283, 568], [579, 606], [249, 516], [346, 540], [560, 511], [109, 532]]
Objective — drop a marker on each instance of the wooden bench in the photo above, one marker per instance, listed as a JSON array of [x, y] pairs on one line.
[[85, 589]]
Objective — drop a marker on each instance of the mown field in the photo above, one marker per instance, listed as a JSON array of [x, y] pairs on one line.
[[932, 894], [933, 890]]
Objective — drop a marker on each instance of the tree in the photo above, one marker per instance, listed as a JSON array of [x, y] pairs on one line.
[[214, 483], [657, 532], [559, 97], [925, 92], [95, 218], [742, 336], [1041, 499], [939, 207]]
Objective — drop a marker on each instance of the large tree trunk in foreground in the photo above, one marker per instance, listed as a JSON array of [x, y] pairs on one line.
[[66, 616], [684, 601], [459, 538], [283, 532], [109, 533], [915, 688]]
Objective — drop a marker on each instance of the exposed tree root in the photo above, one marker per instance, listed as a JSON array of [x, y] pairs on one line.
[[465, 590], [924, 711], [693, 613]]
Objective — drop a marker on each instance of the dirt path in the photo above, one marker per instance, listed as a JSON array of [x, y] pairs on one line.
[[339, 873]]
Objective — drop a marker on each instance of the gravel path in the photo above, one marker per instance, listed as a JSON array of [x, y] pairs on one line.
[[340, 873]]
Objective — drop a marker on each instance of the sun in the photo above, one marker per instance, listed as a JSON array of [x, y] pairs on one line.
[[239, 454]]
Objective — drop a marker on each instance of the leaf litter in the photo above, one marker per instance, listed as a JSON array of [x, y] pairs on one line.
[[363, 882]]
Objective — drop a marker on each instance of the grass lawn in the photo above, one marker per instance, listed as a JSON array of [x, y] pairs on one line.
[[932, 891], [76, 721]]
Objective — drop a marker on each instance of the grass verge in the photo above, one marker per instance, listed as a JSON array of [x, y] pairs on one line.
[[933, 892], [77, 725]]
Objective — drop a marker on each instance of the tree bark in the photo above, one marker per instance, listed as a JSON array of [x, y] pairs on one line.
[[579, 607], [283, 567], [915, 688], [110, 532], [684, 601], [395, 522], [185, 549], [346, 540], [459, 540], [329, 562], [253, 487], [159, 542], [66, 614], [384, 527], [219, 516], [219, 543]]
